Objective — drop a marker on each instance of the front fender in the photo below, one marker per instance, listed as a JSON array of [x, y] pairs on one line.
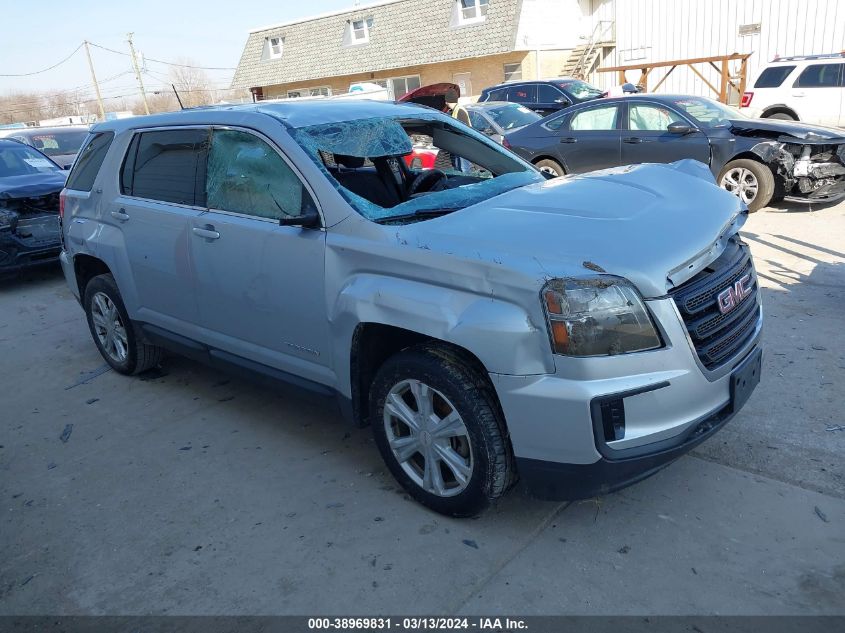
[[499, 333]]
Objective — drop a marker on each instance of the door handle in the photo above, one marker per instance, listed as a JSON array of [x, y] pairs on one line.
[[632, 140], [799, 93], [208, 232], [120, 215], [568, 139]]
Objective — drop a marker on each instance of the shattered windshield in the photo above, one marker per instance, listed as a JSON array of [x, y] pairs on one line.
[[708, 113], [397, 168]]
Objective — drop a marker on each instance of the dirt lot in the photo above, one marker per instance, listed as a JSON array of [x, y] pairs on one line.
[[189, 492]]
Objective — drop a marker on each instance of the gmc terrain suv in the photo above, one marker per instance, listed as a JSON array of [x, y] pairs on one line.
[[576, 333]]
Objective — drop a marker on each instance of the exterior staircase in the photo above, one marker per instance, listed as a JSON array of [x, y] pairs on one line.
[[583, 58]]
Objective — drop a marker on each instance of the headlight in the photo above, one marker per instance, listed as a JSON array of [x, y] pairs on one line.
[[597, 316]]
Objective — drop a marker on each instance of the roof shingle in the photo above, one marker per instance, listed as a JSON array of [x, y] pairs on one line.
[[404, 33]]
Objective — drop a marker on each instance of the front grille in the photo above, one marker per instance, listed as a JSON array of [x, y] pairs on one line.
[[718, 337]]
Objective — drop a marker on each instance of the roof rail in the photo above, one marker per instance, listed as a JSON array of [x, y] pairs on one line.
[[798, 58]]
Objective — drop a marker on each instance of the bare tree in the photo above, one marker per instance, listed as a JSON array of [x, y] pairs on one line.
[[21, 107], [192, 83]]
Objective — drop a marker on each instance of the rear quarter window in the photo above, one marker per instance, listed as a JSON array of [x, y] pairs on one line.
[[773, 76], [167, 165], [820, 76], [89, 161]]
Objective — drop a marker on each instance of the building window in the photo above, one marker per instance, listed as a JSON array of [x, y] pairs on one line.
[[398, 86], [473, 10], [359, 30], [275, 46], [513, 72], [316, 91]]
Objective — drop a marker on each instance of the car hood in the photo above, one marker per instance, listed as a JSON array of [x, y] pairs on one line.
[[31, 185], [656, 225], [803, 131]]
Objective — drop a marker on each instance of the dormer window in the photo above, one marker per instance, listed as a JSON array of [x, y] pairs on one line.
[[473, 10], [273, 47], [360, 30]]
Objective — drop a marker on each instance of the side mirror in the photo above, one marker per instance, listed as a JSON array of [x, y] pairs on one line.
[[563, 101], [679, 127], [309, 219]]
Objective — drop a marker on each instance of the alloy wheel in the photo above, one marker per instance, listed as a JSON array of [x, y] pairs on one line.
[[428, 438], [742, 183], [109, 327]]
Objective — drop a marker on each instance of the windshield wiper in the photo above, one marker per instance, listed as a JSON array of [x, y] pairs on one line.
[[422, 214]]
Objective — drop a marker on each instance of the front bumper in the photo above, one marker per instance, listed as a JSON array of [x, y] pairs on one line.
[[17, 254], [560, 435]]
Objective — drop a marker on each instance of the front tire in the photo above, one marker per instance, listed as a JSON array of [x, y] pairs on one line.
[[115, 335], [437, 425], [750, 181]]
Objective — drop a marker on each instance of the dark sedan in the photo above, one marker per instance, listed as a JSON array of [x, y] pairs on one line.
[[759, 160], [29, 207]]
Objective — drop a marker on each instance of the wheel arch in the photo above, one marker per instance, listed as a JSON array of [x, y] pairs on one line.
[[85, 268], [373, 343], [779, 108]]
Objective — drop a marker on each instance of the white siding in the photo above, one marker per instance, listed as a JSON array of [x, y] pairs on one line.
[[664, 30], [552, 24]]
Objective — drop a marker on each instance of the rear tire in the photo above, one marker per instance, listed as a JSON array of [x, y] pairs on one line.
[[550, 167], [116, 336], [781, 116], [750, 181], [437, 425]]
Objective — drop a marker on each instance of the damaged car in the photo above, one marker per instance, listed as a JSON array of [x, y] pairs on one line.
[[760, 160], [491, 325], [29, 207]]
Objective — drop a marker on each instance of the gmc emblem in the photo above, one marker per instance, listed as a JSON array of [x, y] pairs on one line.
[[732, 296]]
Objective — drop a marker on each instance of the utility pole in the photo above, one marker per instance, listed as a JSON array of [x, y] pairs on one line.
[[96, 85], [137, 72]]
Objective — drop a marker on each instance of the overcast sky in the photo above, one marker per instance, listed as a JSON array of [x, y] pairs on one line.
[[38, 33]]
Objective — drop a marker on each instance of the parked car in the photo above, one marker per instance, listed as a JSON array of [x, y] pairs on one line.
[[491, 325], [544, 97], [61, 144], [809, 88], [759, 160], [495, 118], [29, 207]]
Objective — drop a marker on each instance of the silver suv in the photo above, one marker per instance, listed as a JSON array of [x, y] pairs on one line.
[[492, 325]]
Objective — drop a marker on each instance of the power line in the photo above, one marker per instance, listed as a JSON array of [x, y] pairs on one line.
[[38, 72], [160, 61]]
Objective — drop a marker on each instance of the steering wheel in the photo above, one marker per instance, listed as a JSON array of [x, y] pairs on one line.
[[428, 181]]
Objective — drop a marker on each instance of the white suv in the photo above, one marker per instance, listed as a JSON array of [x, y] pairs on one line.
[[810, 88]]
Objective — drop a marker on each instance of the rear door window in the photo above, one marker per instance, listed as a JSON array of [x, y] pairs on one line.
[[167, 165], [820, 76], [89, 161], [773, 76], [523, 94]]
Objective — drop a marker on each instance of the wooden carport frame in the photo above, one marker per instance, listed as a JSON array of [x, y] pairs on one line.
[[723, 70]]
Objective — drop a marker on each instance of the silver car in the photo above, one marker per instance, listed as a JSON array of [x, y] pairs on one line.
[[492, 325]]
